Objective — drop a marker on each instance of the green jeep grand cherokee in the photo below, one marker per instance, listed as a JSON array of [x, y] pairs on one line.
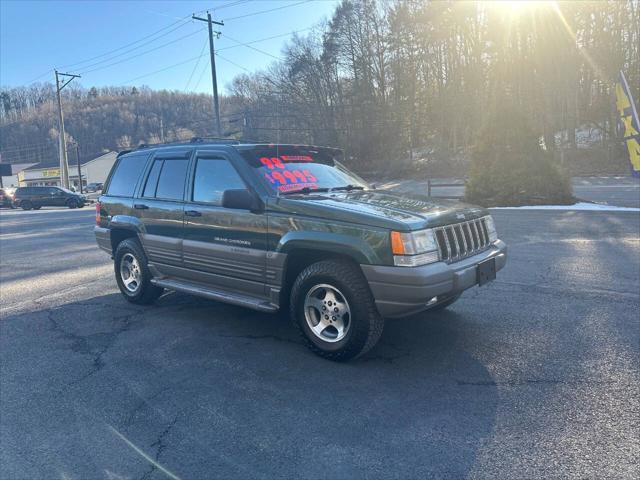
[[283, 226]]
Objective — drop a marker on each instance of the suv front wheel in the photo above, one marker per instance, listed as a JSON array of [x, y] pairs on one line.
[[332, 307], [133, 275]]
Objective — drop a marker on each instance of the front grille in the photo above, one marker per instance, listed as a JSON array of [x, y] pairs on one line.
[[462, 240]]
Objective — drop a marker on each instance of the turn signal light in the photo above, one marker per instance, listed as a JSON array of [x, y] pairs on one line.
[[98, 213], [397, 245]]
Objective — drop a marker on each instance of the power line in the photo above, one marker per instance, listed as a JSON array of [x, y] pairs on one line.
[[266, 11], [233, 63], [263, 39], [134, 48], [204, 69], [240, 44], [165, 68], [195, 67], [227, 5], [184, 19], [40, 76], [142, 53]]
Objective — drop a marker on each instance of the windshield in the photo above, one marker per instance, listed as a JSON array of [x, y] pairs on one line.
[[288, 169], [65, 190]]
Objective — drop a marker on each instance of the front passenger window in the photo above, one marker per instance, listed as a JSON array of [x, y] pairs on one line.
[[213, 177]]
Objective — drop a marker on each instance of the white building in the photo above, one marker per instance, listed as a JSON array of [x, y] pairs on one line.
[[47, 173]]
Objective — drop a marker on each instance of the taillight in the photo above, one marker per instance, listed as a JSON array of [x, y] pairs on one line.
[[98, 213]]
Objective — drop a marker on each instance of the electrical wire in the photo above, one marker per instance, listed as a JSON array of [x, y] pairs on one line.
[[233, 63], [143, 53], [262, 39], [240, 44], [108, 59], [184, 20], [204, 69], [163, 69], [266, 11], [195, 67]]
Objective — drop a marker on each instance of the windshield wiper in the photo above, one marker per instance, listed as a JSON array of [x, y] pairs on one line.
[[348, 188], [305, 190]]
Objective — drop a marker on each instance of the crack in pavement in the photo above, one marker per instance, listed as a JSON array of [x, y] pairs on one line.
[[96, 344], [161, 446]]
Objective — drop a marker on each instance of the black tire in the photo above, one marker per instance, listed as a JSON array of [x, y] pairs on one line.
[[38, 207], [445, 303], [365, 323], [72, 203], [146, 292], [26, 205]]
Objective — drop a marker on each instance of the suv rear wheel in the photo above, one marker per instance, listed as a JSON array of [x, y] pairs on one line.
[[332, 307], [132, 274], [26, 205]]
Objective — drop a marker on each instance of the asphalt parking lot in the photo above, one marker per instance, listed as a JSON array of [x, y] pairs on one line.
[[533, 376]]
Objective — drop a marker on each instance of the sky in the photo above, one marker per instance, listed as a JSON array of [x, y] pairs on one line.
[[96, 40]]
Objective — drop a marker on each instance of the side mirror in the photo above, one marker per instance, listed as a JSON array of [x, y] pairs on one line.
[[240, 199]]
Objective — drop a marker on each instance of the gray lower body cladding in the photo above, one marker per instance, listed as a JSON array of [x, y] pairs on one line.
[[402, 291]]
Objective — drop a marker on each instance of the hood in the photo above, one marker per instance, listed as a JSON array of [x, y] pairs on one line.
[[381, 208]]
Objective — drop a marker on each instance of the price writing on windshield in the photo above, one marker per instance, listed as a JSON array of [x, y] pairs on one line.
[[279, 173]]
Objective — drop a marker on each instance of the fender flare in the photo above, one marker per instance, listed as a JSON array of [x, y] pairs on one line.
[[328, 242]]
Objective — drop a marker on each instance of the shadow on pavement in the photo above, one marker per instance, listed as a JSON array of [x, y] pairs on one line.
[[204, 387]]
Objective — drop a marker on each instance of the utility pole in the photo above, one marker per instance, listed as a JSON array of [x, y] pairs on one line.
[[214, 79], [78, 163], [64, 164]]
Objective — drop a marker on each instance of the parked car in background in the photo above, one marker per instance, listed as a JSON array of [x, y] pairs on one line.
[[6, 198], [93, 187], [37, 197], [288, 227]]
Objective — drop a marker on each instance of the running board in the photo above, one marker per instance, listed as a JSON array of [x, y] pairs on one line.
[[214, 294]]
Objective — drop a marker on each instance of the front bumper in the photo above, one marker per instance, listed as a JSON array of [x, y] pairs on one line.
[[402, 291]]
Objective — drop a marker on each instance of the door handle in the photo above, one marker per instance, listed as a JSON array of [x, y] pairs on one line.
[[192, 213], [140, 206]]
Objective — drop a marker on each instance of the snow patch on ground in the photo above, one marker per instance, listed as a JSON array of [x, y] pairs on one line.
[[598, 207]]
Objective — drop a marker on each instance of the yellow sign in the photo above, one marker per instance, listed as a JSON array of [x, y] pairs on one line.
[[629, 122], [54, 172]]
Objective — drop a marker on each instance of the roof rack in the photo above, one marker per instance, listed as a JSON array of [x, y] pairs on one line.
[[222, 140]]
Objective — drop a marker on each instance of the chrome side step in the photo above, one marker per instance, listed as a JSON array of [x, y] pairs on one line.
[[214, 294]]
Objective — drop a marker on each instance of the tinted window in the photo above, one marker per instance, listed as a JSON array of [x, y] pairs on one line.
[[214, 176], [124, 178], [172, 178], [152, 179]]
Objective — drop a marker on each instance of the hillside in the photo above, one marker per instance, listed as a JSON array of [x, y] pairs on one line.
[[97, 119]]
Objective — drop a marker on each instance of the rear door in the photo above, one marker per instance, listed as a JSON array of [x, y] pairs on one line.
[[160, 206], [222, 247], [41, 196]]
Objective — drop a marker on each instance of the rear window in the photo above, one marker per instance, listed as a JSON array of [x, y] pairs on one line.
[[290, 168], [125, 175], [166, 179]]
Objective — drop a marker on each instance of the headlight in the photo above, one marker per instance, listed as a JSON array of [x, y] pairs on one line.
[[413, 249], [491, 227]]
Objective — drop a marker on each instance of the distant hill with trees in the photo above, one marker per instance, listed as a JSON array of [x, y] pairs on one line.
[[400, 85]]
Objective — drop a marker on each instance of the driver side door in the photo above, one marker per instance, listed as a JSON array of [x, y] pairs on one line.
[[223, 247]]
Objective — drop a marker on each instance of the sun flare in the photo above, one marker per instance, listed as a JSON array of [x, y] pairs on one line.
[[518, 6]]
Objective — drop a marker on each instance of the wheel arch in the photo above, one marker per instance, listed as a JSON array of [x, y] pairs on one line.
[[301, 257]]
